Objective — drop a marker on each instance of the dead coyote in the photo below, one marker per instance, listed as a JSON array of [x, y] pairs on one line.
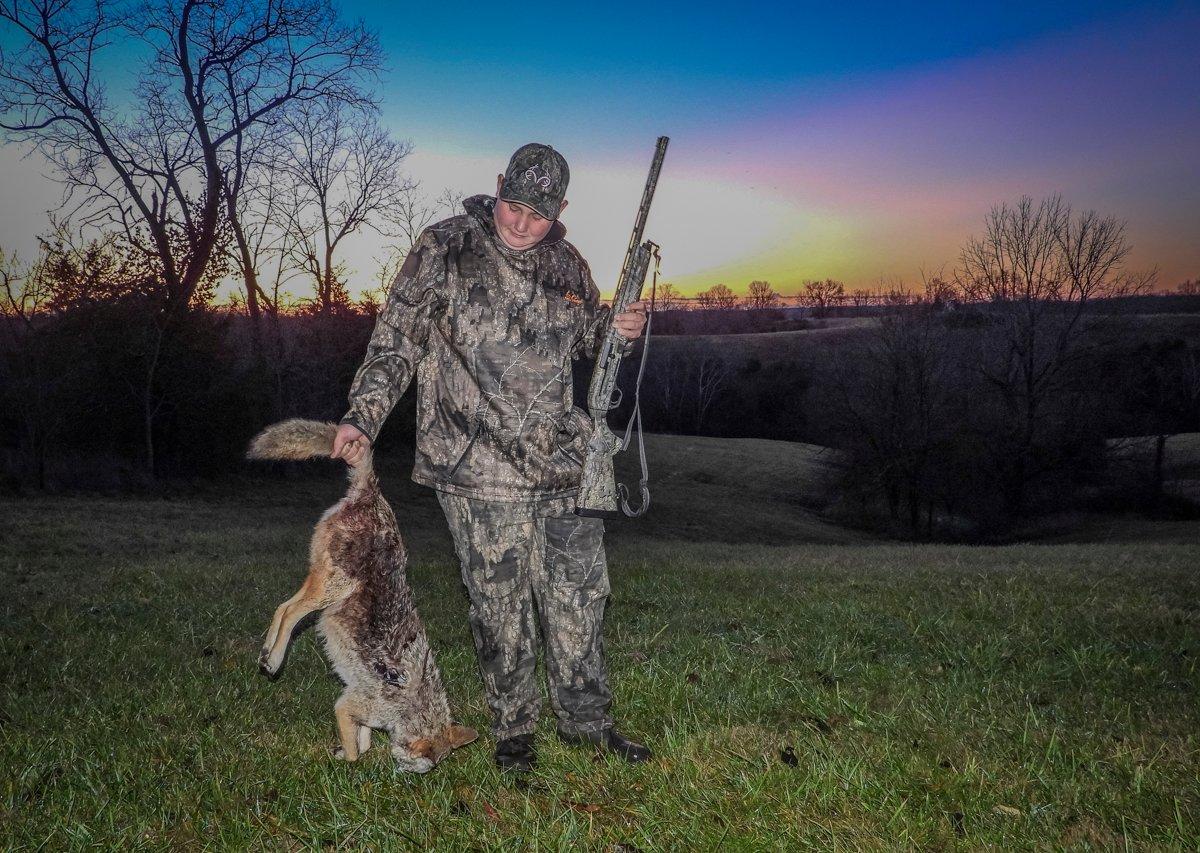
[[373, 636]]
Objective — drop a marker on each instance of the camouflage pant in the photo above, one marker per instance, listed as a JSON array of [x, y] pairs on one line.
[[521, 569]]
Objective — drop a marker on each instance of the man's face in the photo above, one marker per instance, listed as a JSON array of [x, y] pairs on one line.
[[519, 226]]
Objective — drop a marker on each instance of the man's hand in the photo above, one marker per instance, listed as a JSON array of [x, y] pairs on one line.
[[349, 444], [632, 321]]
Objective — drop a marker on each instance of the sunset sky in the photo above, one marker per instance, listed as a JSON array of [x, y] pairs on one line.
[[852, 141]]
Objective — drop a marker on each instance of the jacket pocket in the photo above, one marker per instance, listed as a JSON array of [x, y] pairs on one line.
[[573, 435]]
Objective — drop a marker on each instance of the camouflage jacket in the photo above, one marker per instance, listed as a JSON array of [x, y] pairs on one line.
[[490, 334]]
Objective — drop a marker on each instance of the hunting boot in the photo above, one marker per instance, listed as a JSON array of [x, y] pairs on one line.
[[516, 753], [611, 740]]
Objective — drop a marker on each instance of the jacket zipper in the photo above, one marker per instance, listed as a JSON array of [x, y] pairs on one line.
[[475, 429]]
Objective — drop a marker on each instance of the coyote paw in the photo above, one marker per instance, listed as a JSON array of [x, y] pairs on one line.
[[264, 664]]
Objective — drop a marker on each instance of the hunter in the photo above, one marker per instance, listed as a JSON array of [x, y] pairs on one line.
[[488, 312]]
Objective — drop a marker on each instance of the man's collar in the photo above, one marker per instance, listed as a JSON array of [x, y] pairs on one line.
[[481, 209]]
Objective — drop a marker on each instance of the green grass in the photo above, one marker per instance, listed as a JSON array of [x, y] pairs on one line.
[[924, 696]]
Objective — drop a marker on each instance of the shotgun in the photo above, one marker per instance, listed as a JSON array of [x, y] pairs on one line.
[[599, 491]]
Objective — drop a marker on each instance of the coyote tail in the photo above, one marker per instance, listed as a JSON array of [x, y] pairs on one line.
[[303, 439]]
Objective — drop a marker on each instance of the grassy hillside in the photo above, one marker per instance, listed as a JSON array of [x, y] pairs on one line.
[[821, 691], [732, 490]]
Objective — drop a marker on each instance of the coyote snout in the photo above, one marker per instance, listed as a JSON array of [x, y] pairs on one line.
[[373, 636]]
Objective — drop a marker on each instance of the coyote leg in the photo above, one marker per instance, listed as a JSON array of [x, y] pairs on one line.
[[304, 602], [273, 631], [364, 739], [348, 731]]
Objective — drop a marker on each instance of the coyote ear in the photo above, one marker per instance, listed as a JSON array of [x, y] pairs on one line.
[[460, 735]]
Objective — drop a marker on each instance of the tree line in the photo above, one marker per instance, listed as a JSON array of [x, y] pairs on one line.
[[822, 296]]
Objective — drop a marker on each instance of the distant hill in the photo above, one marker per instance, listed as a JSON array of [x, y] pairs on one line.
[[812, 347]]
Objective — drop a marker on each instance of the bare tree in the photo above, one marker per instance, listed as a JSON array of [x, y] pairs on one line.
[[892, 407], [710, 376], [344, 173], [683, 384], [253, 197], [717, 297], [411, 212], [213, 70], [939, 290], [667, 298], [29, 379], [892, 292], [821, 295], [1162, 386], [23, 298], [1191, 287], [762, 295], [1039, 266]]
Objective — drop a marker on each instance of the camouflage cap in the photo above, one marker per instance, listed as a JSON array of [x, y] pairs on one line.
[[537, 176]]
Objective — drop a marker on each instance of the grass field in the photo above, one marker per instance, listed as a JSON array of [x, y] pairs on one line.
[[801, 685]]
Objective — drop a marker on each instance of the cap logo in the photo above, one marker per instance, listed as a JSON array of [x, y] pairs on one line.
[[542, 181]]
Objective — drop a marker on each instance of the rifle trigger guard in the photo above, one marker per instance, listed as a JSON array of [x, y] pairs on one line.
[[615, 399]]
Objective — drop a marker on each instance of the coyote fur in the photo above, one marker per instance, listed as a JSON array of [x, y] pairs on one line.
[[373, 636]]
